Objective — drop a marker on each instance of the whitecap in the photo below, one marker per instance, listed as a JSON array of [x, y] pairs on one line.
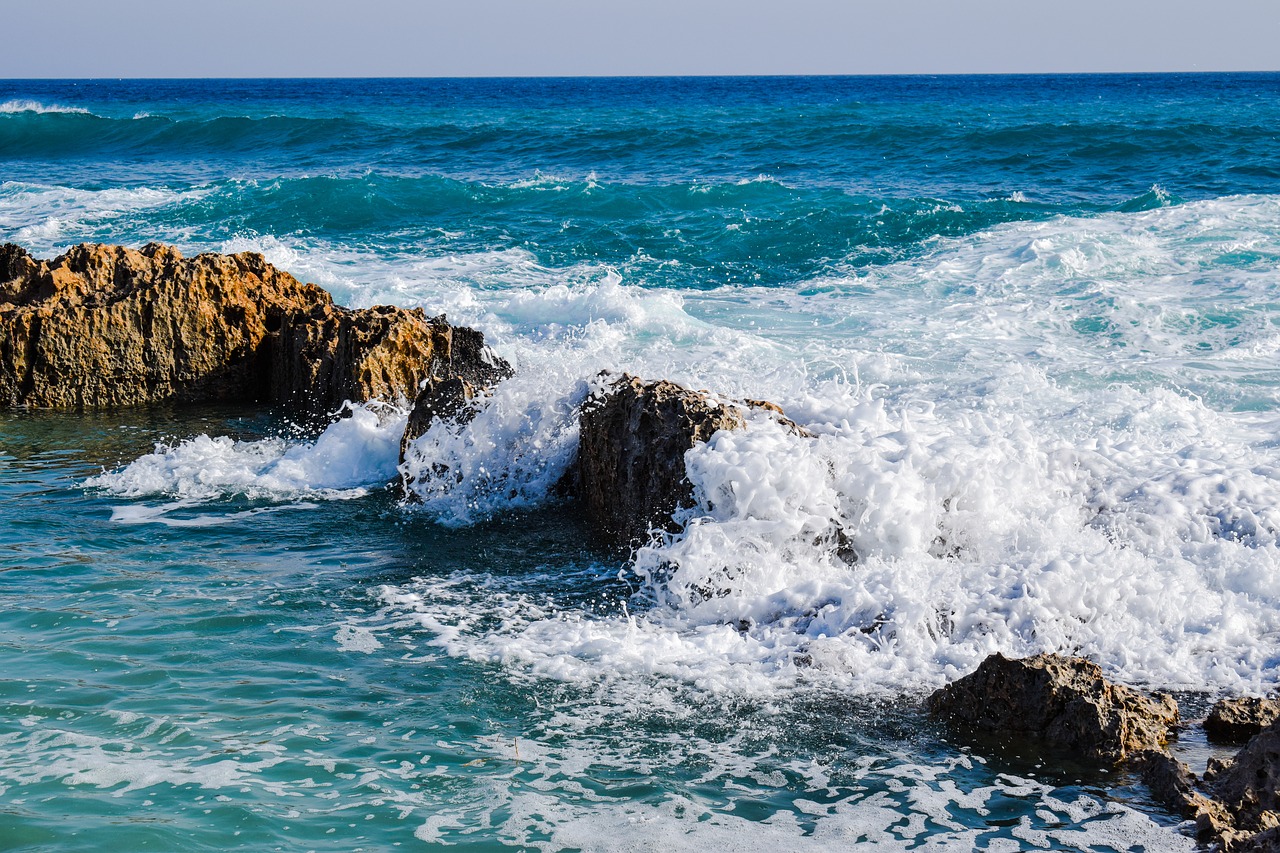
[[355, 453], [23, 105]]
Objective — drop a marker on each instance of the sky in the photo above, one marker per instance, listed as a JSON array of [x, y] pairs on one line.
[[478, 38]]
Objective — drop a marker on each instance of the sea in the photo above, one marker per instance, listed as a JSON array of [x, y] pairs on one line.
[[1031, 322]]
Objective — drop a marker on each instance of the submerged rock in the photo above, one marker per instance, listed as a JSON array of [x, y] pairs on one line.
[[631, 474], [107, 326], [1064, 701], [1237, 720]]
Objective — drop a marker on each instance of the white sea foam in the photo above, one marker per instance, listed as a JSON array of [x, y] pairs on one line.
[[545, 791], [47, 219], [353, 454], [1006, 493], [356, 638], [22, 105], [169, 514]]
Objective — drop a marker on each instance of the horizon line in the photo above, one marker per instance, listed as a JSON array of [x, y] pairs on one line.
[[708, 76]]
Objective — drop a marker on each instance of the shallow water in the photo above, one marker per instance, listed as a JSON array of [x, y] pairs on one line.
[[1032, 321]]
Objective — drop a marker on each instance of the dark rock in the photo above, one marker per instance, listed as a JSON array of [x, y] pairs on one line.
[[1267, 841], [1064, 701], [107, 326], [633, 438], [1213, 767], [1171, 782], [1237, 720], [464, 368], [1250, 786]]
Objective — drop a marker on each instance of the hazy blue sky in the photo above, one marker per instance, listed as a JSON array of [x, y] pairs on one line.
[[268, 38]]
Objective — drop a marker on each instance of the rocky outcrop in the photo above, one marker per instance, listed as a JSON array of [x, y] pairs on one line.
[[633, 437], [1237, 804], [1237, 720], [469, 369], [1171, 782], [1067, 703], [1249, 787], [1063, 701], [107, 326]]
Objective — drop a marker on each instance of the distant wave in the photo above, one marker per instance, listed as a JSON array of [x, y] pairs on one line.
[[700, 234], [28, 106]]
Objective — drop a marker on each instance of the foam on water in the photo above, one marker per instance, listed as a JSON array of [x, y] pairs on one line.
[[164, 513], [46, 220], [563, 786], [21, 105], [355, 453], [1007, 499], [1179, 293]]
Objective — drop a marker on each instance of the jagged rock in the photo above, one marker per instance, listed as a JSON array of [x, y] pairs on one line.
[[1263, 842], [1237, 720], [107, 326], [1250, 786], [631, 473], [1237, 804], [1172, 783], [471, 368], [1064, 701]]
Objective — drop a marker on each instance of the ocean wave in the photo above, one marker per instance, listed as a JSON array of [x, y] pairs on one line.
[[697, 234], [45, 219], [19, 106], [354, 454]]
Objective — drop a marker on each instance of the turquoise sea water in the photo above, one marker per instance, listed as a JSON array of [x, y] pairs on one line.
[[1033, 321]]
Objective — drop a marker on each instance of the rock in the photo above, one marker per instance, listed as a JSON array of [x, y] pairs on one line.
[[468, 369], [1237, 720], [633, 438], [107, 326], [1267, 841], [1250, 786], [1237, 805], [1172, 783], [1064, 701]]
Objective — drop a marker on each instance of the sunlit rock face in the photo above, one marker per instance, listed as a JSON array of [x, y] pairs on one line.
[[107, 326]]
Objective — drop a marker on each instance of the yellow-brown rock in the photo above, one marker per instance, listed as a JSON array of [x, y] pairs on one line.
[[107, 326]]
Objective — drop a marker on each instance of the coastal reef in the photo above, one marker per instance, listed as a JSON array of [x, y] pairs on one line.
[[107, 326]]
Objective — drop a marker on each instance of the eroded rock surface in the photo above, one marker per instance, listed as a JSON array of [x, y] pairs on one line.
[[1064, 701], [466, 370], [633, 438], [1249, 786], [107, 326], [1237, 720], [1172, 783]]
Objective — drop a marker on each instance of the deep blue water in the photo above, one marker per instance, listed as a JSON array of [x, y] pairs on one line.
[[1034, 319]]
